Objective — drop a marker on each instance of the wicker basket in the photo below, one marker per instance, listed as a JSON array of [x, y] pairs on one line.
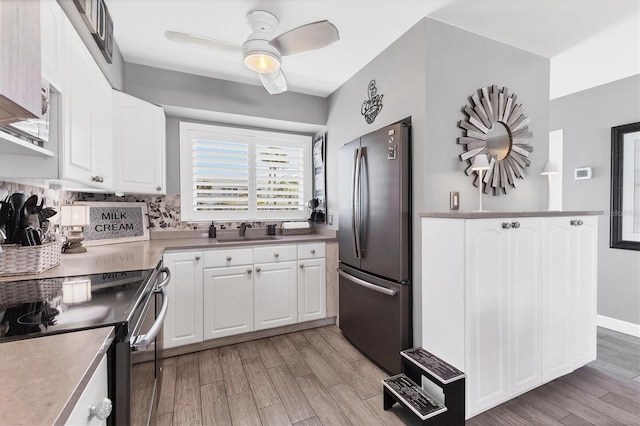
[[23, 260]]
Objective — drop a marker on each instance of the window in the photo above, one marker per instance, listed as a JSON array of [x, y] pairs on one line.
[[240, 174]]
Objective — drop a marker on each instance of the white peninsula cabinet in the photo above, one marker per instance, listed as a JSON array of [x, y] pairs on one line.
[[228, 291], [509, 299], [138, 145]]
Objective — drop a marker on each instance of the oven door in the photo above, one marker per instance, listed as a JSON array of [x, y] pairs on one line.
[[146, 344]]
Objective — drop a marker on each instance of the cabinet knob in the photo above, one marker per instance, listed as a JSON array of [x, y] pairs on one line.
[[276, 255], [576, 222], [158, 188], [313, 252], [506, 225], [95, 178], [249, 271], [516, 225], [258, 269], [197, 257], [580, 222], [101, 411], [302, 266], [228, 258]]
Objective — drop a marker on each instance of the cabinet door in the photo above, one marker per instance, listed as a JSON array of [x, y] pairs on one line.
[[312, 295], [228, 301], [275, 295], [78, 101], [486, 263], [558, 312], [139, 145], [585, 273], [96, 391], [525, 305], [51, 42], [183, 323], [19, 60], [102, 137]]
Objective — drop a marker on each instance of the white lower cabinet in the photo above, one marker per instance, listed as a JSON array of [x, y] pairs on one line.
[[183, 324], [312, 294], [92, 396], [275, 295], [569, 294], [223, 292], [517, 296], [228, 301]]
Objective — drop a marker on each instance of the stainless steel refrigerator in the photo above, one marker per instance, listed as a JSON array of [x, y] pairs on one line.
[[375, 243]]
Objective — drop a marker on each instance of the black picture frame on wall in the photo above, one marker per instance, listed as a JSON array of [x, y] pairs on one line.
[[625, 187]]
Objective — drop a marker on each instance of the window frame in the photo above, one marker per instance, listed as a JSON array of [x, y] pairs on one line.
[[189, 131]]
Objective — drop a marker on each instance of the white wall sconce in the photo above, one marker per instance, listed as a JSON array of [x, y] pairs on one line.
[[75, 218], [550, 168], [480, 163]]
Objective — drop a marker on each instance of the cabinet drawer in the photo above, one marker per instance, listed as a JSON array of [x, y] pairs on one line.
[[274, 254], [228, 257], [311, 251]]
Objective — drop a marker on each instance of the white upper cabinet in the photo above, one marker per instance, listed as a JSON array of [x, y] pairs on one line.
[[138, 146], [87, 155], [51, 20], [19, 60]]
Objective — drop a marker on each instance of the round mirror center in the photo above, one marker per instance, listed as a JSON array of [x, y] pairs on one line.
[[499, 140]]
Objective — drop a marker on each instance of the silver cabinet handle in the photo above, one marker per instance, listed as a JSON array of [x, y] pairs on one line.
[[580, 222], [158, 188], [249, 271], [313, 252], [370, 286], [516, 225], [302, 266], [576, 222], [258, 269], [101, 411], [572, 223], [228, 258], [506, 225], [197, 258], [276, 255], [95, 178]]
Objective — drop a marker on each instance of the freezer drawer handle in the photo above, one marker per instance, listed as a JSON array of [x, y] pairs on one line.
[[370, 286]]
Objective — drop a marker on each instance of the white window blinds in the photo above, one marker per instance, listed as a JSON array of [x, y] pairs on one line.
[[220, 176], [241, 174]]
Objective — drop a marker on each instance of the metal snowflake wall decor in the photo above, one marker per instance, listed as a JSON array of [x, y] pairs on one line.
[[497, 127]]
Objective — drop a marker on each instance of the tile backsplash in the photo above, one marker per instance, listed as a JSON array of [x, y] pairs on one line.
[[164, 210]]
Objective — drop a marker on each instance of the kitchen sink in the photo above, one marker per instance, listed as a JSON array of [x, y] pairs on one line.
[[246, 238]]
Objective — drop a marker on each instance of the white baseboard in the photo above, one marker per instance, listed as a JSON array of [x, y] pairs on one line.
[[618, 325]]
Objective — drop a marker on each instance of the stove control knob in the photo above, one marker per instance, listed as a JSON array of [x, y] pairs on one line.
[[101, 411]]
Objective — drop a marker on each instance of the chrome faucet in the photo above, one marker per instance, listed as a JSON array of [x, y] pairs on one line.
[[243, 228]]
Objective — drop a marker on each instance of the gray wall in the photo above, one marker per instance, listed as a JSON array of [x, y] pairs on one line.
[[248, 105], [586, 119], [164, 87], [428, 74]]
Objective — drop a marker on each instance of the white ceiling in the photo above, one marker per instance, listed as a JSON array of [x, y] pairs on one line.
[[544, 27]]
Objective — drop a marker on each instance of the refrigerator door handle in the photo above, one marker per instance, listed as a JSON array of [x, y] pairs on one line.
[[355, 203], [363, 283]]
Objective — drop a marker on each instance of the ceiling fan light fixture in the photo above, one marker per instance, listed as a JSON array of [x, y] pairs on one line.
[[261, 62]]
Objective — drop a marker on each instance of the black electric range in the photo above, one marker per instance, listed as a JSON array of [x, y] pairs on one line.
[[32, 308]]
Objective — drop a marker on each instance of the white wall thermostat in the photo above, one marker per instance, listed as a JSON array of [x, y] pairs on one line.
[[583, 173]]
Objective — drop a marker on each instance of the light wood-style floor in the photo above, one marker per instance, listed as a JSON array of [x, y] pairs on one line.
[[315, 377]]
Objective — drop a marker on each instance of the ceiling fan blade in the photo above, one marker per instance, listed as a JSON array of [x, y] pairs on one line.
[[200, 40], [306, 37], [275, 82]]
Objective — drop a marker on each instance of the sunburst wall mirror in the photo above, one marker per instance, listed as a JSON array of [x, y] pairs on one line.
[[496, 126]]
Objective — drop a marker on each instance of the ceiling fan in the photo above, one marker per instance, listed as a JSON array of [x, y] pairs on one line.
[[262, 52]]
